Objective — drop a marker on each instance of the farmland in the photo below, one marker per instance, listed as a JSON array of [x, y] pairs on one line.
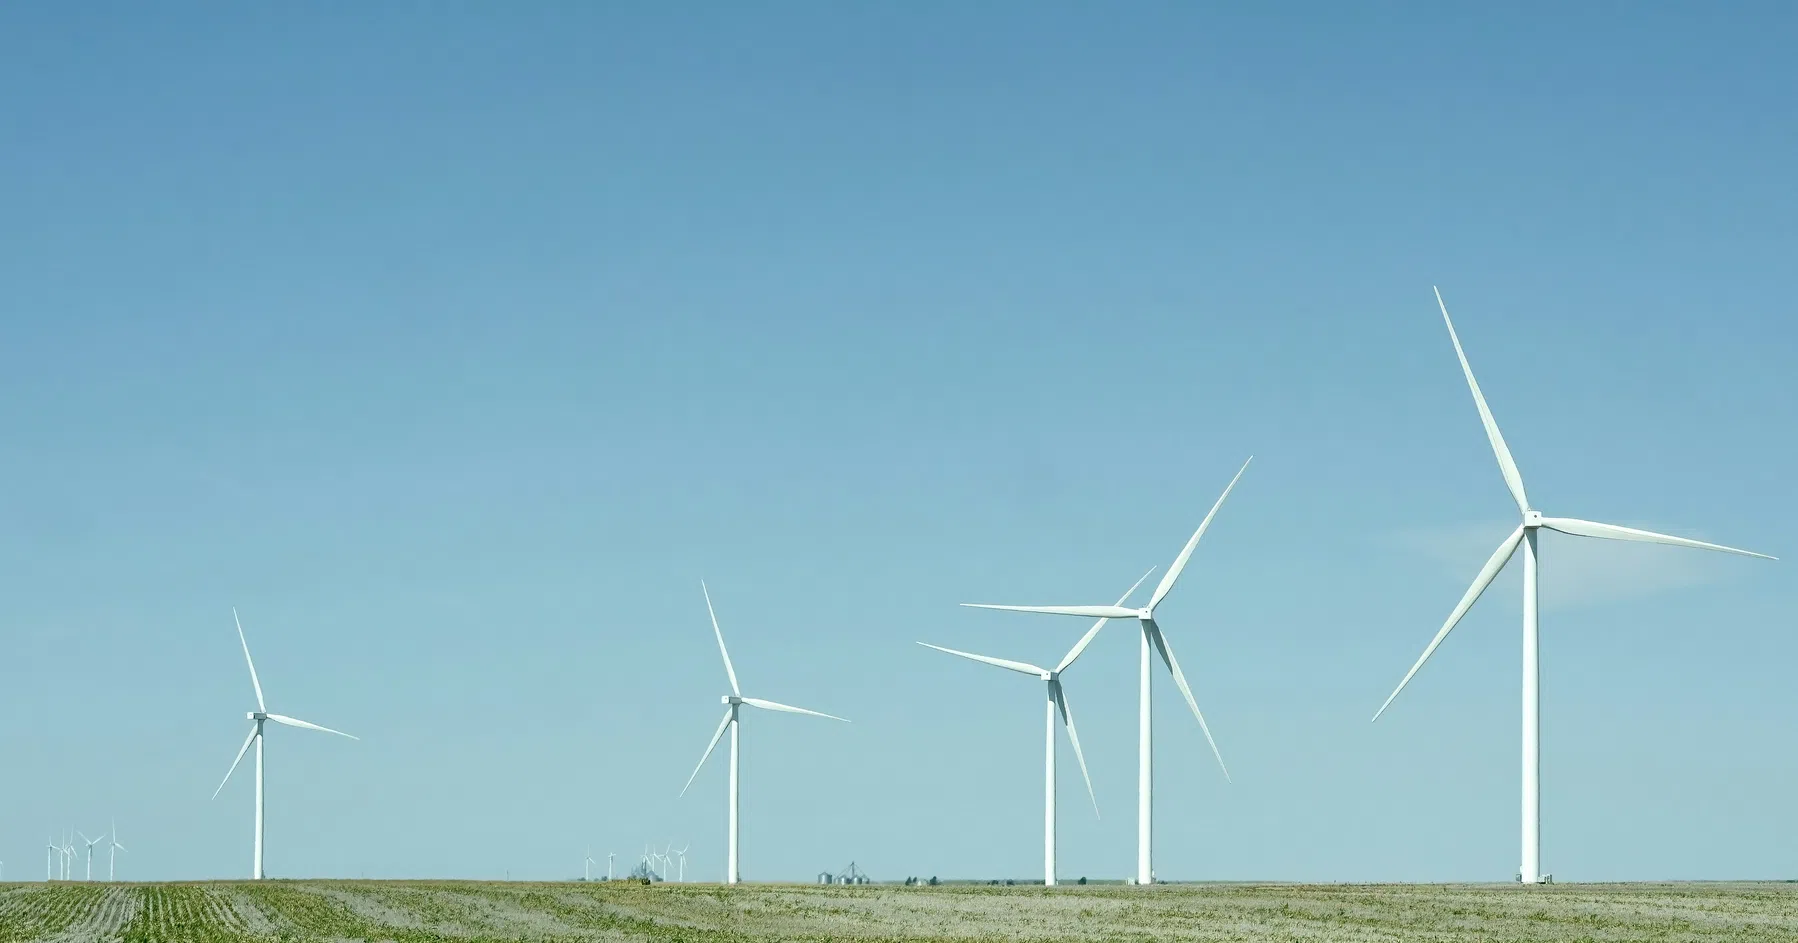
[[415, 912]]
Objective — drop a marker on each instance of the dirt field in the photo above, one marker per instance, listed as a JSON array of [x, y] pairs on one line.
[[414, 912]]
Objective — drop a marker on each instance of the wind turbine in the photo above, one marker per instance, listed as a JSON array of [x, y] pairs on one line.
[[50, 849], [1530, 872], [113, 852], [91, 842], [257, 718], [733, 703], [609, 856], [682, 853], [587, 867], [1057, 705], [68, 856], [1152, 639]]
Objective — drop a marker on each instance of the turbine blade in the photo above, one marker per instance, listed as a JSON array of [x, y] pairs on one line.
[[1488, 573], [1173, 667], [1579, 528], [1173, 572], [1018, 666], [1086, 612], [720, 633], [240, 752], [1506, 465], [296, 722], [1067, 720], [246, 657], [1093, 632], [708, 750], [788, 708]]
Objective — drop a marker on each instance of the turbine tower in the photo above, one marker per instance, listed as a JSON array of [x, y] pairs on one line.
[[609, 856], [1154, 641], [733, 704], [113, 852], [257, 718], [1530, 869], [1057, 707], [587, 867]]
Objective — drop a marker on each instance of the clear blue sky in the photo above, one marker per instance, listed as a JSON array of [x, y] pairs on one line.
[[455, 346]]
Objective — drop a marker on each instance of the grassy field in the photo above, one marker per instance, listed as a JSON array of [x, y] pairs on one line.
[[414, 912]]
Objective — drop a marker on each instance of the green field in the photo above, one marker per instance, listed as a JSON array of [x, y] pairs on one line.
[[413, 912]]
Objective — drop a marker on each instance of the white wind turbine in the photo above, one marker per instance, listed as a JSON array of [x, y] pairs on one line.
[[1057, 705], [609, 856], [1152, 638], [587, 867], [682, 854], [113, 852], [50, 850], [733, 703], [1530, 871], [91, 842], [257, 718]]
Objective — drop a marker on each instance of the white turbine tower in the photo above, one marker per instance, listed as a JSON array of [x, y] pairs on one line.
[[587, 867], [50, 850], [733, 703], [609, 856], [91, 842], [682, 854], [1057, 706], [1530, 870], [113, 852], [1152, 639], [257, 718]]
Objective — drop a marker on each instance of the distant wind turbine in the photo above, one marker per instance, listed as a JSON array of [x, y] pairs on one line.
[[1152, 639], [682, 854], [587, 866], [1530, 871], [609, 856], [1057, 707], [91, 842], [733, 702], [113, 852], [50, 851], [257, 718]]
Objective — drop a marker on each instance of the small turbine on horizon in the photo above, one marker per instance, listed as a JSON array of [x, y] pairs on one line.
[[257, 718], [733, 703], [91, 842], [112, 856], [1530, 869], [1057, 707]]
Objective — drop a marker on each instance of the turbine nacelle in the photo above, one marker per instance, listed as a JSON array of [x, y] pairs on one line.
[[1532, 519], [731, 699], [257, 715]]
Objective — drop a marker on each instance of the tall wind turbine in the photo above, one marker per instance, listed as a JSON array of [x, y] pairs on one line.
[[1152, 639], [1530, 871], [257, 718], [49, 851], [91, 842], [587, 867], [609, 856], [1057, 707], [112, 857], [733, 703], [682, 854]]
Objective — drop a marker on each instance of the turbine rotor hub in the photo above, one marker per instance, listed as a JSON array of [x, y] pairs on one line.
[[731, 699], [257, 715], [1532, 519]]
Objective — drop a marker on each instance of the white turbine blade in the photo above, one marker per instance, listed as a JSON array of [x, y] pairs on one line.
[[1093, 632], [1018, 666], [296, 722], [1173, 572], [1506, 466], [788, 708], [1488, 573], [246, 657], [240, 752], [708, 751], [1085, 612], [1067, 720], [720, 633], [1579, 528], [1173, 667]]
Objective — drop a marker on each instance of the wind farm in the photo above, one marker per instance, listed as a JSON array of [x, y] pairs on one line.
[[446, 349]]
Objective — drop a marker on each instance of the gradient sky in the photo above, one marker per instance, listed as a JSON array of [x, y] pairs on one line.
[[454, 345]]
